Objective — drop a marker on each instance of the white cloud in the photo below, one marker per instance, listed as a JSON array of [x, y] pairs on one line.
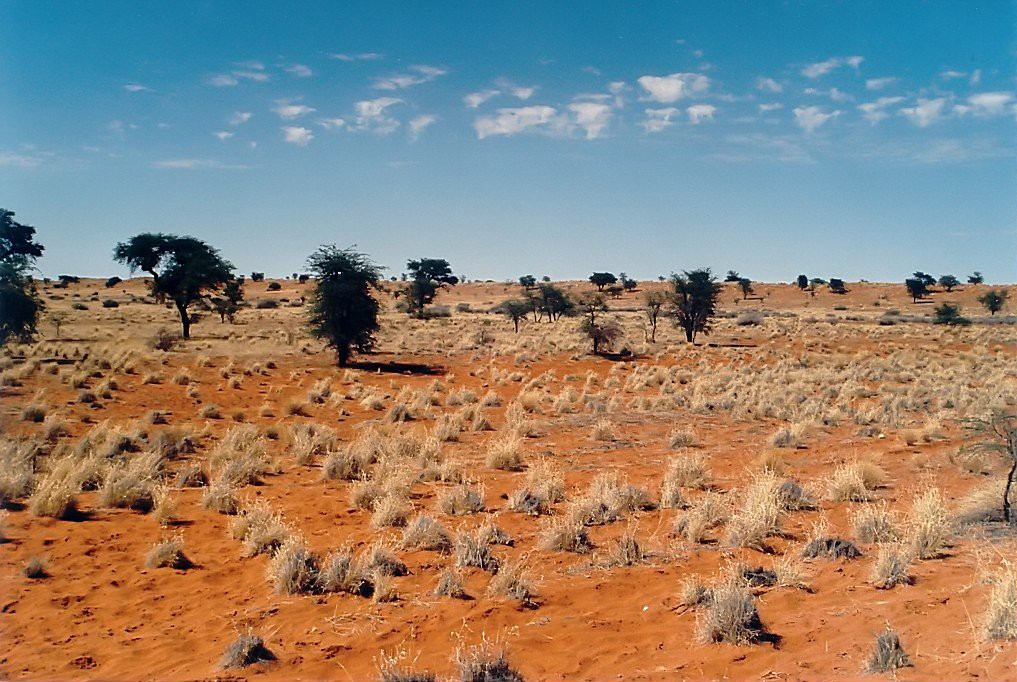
[[925, 112], [820, 69], [658, 119], [359, 57], [136, 87], [876, 111], [512, 121], [290, 111], [772, 106], [671, 88], [298, 135], [300, 71], [475, 99], [833, 93], [192, 164], [593, 117], [951, 75], [522, 93], [240, 117], [811, 119], [223, 135], [250, 71], [222, 80], [990, 103], [371, 115], [976, 77], [16, 160], [420, 123], [768, 85], [422, 74], [879, 83], [257, 76], [331, 123], [700, 112]]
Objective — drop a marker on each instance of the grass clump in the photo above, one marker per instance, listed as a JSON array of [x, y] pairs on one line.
[[247, 649], [887, 655]]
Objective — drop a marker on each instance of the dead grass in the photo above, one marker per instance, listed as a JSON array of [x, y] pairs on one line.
[[887, 655], [891, 566]]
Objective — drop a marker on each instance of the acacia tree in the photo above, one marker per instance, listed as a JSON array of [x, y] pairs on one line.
[[19, 300], [745, 284], [975, 278], [229, 304], [916, 288], [427, 275], [948, 282], [528, 281], [837, 286], [802, 282], [653, 303], [551, 301], [994, 300], [602, 279], [694, 298], [342, 309], [1000, 428], [516, 309], [599, 330], [183, 269]]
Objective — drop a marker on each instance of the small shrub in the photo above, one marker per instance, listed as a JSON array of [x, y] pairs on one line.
[[461, 500], [36, 568], [891, 567], [730, 616], [168, 553], [450, 584], [247, 649], [888, 654]]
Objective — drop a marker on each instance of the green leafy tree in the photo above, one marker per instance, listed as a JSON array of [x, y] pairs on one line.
[[342, 309], [600, 330], [837, 286], [802, 282], [916, 288], [949, 314], [602, 279], [733, 276], [994, 300], [627, 283], [653, 304], [745, 285], [426, 277], [19, 301], [927, 279], [975, 278], [551, 301], [948, 282], [528, 281], [694, 296], [183, 269], [516, 309]]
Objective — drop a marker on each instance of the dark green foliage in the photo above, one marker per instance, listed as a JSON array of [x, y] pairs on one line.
[[837, 286], [516, 310], [528, 281], [950, 314], [274, 286], [112, 282], [733, 276], [694, 298], [551, 301], [994, 300], [926, 279], [182, 268], [602, 279], [427, 275], [802, 282], [257, 276], [745, 285], [19, 302], [948, 282], [916, 288], [342, 309], [975, 278]]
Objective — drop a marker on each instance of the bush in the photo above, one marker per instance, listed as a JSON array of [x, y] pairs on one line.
[[164, 340], [267, 303], [274, 286], [246, 650]]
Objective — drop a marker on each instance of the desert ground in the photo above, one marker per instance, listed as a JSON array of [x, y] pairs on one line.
[[588, 516]]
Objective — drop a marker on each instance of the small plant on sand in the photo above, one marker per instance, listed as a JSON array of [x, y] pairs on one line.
[[730, 615], [247, 649], [887, 655], [397, 667], [681, 437], [168, 553], [423, 532], [36, 568], [461, 500], [1000, 620], [506, 454], [891, 566], [293, 568], [473, 550], [513, 582], [928, 525], [485, 662], [450, 584]]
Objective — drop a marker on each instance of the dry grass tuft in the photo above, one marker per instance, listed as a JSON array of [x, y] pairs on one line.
[[426, 533], [485, 662], [891, 566], [888, 654], [461, 500], [928, 526], [1001, 612], [247, 649], [730, 615], [168, 553], [450, 584]]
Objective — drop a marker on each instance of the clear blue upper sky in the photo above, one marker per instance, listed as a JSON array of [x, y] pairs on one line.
[[846, 139]]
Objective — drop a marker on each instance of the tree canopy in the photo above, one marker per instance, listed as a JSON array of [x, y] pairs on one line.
[[602, 279], [19, 301], [994, 300], [343, 310], [694, 296], [183, 269], [427, 276]]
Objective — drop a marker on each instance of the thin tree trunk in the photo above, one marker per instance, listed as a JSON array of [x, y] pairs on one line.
[[185, 321], [1006, 492]]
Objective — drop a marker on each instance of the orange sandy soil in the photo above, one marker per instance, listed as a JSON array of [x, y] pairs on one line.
[[101, 615]]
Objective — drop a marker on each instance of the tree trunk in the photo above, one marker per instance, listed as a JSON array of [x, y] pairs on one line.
[[516, 321], [185, 321], [690, 334], [1006, 492], [653, 333], [343, 353]]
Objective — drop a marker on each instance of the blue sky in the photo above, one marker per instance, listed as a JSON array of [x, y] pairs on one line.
[[850, 139]]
